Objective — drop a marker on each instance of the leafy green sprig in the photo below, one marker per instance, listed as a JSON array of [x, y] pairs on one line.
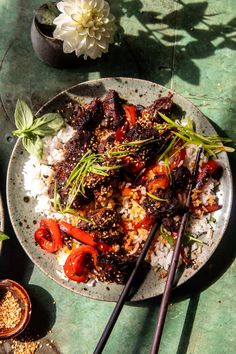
[[89, 163], [152, 196], [97, 164], [31, 129], [3, 236], [212, 144]]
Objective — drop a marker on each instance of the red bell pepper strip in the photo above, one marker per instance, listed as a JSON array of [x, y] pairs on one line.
[[177, 158], [208, 169], [83, 236], [212, 208], [75, 265], [146, 222], [130, 114], [48, 235], [77, 233], [160, 182], [103, 247]]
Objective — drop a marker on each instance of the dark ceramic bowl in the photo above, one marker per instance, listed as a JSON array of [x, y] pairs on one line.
[[50, 50], [23, 299]]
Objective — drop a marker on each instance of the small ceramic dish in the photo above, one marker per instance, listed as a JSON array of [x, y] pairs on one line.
[[15, 309]]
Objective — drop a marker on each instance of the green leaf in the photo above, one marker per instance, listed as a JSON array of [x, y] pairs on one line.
[[3, 236], [23, 115], [48, 124], [33, 145], [47, 13]]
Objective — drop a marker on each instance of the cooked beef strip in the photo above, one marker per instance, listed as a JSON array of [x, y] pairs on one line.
[[86, 119], [160, 209], [163, 105], [109, 236], [139, 132], [114, 267], [113, 110], [104, 218], [180, 177]]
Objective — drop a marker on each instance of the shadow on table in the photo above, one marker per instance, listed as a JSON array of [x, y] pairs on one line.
[[44, 310], [157, 51], [155, 48]]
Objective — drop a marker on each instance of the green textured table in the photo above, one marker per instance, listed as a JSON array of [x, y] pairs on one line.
[[189, 47]]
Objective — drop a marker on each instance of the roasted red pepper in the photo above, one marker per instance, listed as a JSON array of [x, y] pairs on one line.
[[48, 235], [77, 233], [130, 114], [83, 236], [146, 222], [75, 267], [212, 208], [152, 172], [160, 182], [133, 166], [120, 133], [177, 158], [208, 169]]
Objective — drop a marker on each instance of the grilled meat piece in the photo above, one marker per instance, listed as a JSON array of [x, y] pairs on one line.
[[150, 115], [114, 267], [139, 132], [103, 194], [93, 181], [105, 139], [160, 209], [142, 153], [109, 236], [180, 177], [163, 105], [113, 110], [76, 147], [87, 119], [104, 218]]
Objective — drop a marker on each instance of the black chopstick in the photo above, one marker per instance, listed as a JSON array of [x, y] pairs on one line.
[[173, 265], [125, 292]]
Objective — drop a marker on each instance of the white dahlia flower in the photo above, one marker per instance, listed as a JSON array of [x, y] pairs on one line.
[[85, 26]]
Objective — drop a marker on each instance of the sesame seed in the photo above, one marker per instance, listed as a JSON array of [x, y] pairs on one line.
[[10, 311]]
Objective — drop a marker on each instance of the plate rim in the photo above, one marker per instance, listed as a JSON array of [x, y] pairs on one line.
[[89, 82]]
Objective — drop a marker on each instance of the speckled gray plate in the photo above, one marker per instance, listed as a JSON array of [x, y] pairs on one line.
[[24, 218]]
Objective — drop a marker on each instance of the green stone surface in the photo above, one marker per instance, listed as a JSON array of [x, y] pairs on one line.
[[188, 46]]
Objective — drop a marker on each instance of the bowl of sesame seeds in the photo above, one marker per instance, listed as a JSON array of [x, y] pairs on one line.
[[15, 309]]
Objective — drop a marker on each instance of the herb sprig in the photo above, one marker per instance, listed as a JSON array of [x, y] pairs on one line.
[[31, 129], [3, 237], [89, 163], [212, 144], [97, 164], [150, 195]]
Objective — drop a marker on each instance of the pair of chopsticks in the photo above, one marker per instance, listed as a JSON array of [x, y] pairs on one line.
[[169, 283]]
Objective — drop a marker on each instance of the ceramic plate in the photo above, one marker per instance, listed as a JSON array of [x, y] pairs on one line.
[[24, 218]]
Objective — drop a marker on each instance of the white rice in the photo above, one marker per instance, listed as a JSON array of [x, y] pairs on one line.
[[38, 175]]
